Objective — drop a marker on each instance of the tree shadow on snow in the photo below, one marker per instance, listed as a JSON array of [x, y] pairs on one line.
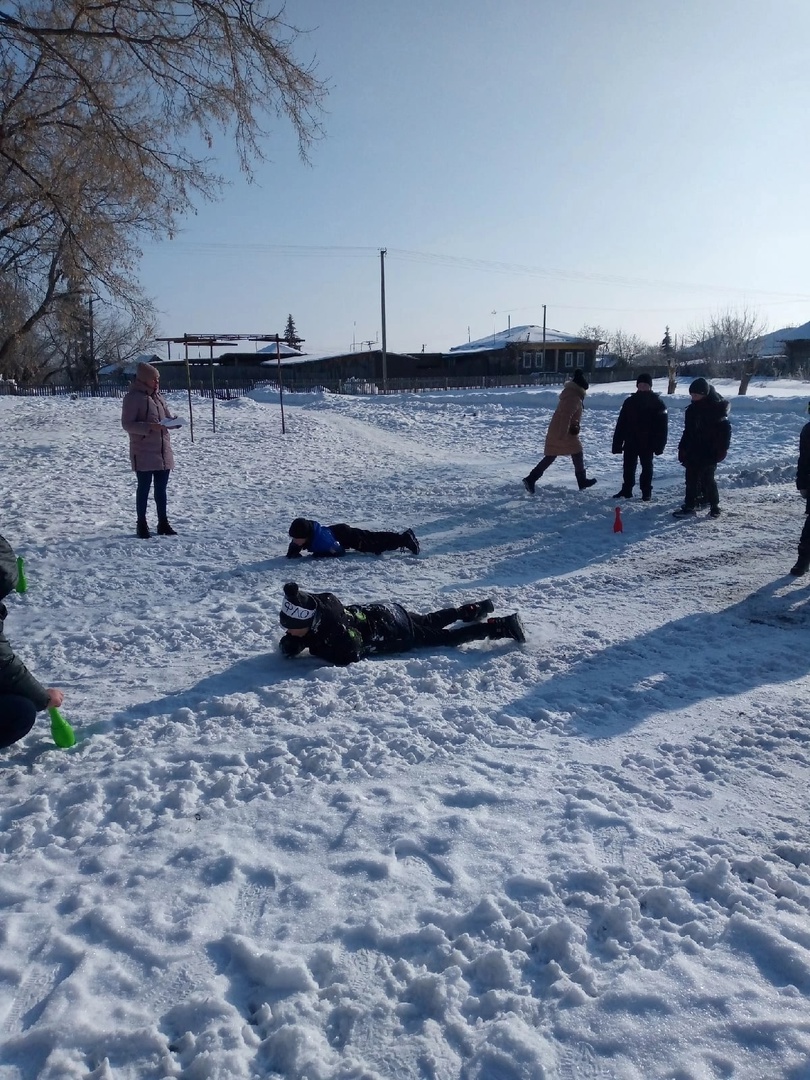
[[763, 640]]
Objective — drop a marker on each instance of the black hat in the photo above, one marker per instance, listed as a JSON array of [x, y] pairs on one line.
[[644, 378], [699, 386], [302, 529], [580, 379], [298, 608]]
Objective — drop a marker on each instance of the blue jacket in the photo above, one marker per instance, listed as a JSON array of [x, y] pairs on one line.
[[322, 543]]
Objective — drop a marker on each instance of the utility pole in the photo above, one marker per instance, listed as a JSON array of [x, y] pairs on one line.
[[382, 306], [544, 337]]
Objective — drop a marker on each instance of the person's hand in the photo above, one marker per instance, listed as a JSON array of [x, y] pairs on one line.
[[55, 698], [803, 492], [721, 457]]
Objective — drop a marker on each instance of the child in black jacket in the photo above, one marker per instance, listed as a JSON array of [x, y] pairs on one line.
[[343, 635], [640, 434], [802, 564], [704, 443], [21, 695]]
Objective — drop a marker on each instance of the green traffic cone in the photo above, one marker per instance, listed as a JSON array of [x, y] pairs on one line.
[[61, 731], [22, 584]]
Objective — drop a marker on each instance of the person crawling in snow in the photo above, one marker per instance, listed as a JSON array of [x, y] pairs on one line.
[[21, 696], [330, 541], [344, 634]]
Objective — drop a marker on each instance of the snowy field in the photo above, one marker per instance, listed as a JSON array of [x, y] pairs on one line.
[[585, 857]]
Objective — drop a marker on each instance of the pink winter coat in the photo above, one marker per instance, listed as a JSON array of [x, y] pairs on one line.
[[150, 449], [560, 440]]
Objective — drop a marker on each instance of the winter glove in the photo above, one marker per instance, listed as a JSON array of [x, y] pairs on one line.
[[803, 492], [291, 646], [721, 457], [573, 427], [294, 551]]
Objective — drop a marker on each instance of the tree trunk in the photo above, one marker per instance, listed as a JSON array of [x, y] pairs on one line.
[[745, 380]]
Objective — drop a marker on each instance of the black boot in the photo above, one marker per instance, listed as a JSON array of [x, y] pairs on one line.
[[801, 566], [409, 541], [142, 529], [623, 494], [164, 528], [473, 612], [507, 626], [584, 482]]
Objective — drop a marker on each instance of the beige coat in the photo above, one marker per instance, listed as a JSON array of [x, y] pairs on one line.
[[559, 440], [150, 449]]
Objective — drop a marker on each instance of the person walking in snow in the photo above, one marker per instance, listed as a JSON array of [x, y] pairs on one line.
[[704, 443], [345, 634], [150, 446], [21, 695], [640, 433], [562, 437], [802, 564], [325, 541]]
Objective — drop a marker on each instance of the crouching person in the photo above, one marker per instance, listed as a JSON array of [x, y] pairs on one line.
[[21, 696], [343, 635], [325, 541]]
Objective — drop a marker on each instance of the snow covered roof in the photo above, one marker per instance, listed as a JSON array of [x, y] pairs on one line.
[[283, 348], [770, 344], [531, 335]]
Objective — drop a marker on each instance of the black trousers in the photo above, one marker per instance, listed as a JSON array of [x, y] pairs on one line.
[[700, 479], [629, 462], [373, 543], [804, 539], [430, 629], [17, 716], [541, 466]]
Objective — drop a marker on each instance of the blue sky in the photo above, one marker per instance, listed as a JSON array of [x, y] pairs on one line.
[[627, 163]]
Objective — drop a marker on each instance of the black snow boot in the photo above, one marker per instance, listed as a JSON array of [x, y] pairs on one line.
[[507, 626], [473, 612], [801, 566], [623, 494], [164, 528], [584, 482], [410, 542], [142, 529]]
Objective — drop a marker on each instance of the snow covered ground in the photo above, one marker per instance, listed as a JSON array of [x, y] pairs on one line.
[[586, 857]]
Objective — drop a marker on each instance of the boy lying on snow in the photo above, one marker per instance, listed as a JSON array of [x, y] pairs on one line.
[[21, 696], [342, 635], [331, 540]]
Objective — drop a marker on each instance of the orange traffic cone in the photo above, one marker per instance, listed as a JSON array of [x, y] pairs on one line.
[[617, 521]]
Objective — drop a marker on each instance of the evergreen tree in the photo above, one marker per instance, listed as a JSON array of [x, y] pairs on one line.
[[669, 353], [290, 333], [666, 345]]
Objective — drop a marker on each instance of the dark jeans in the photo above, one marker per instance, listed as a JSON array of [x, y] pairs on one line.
[[144, 484], [374, 543], [541, 466], [700, 478], [17, 716], [629, 462]]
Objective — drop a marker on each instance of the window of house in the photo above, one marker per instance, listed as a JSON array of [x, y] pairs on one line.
[[538, 360], [580, 359], [527, 359], [569, 359]]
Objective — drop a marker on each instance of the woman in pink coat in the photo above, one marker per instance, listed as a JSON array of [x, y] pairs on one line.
[[562, 437], [150, 445]]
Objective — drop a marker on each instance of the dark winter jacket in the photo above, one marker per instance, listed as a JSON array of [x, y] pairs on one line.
[[343, 635], [803, 466], [321, 543], [706, 431], [15, 678], [642, 424], [150, 449]]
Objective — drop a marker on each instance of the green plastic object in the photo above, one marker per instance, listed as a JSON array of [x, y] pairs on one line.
[[22, 583], [61, 730]]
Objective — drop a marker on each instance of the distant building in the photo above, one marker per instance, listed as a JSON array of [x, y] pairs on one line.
[[524, 350]]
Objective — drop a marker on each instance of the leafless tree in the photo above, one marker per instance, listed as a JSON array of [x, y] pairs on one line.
[[99, 102], [727, 342]]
